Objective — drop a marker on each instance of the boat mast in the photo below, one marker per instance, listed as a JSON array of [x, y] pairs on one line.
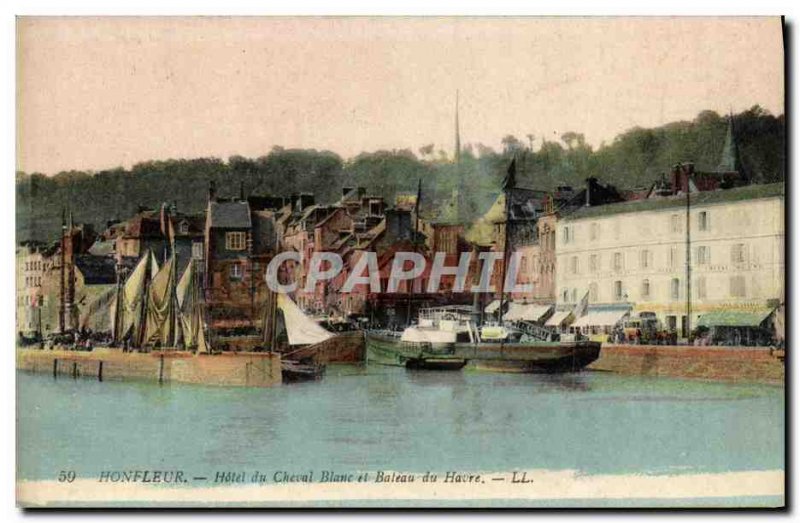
[[71, 306], [175, 335], [414, 246], [118, 306], [62, 299], [508, 186], [138, 340]]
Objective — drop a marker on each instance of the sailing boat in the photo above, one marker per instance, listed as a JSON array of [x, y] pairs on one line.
[[307, 346], [155, 309], [129, 306], [304, 335], [449, 337], [191, 310]]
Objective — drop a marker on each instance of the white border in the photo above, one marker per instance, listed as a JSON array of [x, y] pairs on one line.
[[310, 7]]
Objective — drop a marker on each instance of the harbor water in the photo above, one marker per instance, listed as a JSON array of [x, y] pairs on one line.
[[364, 418]]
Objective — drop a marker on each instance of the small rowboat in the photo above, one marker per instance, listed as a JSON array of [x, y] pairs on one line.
[[291, 371]]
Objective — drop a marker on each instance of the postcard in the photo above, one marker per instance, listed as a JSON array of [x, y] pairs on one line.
[[400, 262]]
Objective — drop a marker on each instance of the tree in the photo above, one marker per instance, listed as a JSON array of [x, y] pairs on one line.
[[511, 144], [573, 140], [426, 150]]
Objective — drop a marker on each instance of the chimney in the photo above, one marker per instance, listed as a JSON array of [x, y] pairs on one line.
[[241, 190], [362, 191], [675, 179], [398, 224], [293, 199], [306, 200], [212, 191], [591, 182]]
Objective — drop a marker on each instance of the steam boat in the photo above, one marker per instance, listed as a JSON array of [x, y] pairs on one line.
[[448, 338]]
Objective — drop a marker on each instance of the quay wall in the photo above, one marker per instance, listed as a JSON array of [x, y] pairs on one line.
[[736, 364], [230, 370]]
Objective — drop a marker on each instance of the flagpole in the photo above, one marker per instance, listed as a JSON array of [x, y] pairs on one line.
[[688, 332]]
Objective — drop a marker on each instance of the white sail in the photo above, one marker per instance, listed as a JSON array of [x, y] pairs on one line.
[[184, 287], [154, 267], [301, 329]]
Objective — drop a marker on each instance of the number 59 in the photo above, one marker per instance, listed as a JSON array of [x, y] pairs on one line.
[[67, 476]]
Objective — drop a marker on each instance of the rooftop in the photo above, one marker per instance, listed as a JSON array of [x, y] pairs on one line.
[[96, 270], [748, 192], [230, 215]]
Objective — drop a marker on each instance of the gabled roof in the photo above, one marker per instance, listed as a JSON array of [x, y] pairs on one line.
[[145, 224], [195, 222], [229, 215]]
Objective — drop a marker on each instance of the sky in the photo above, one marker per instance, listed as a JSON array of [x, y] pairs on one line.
[[97, 93]]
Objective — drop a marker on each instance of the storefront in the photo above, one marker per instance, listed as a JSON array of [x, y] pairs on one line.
[[733, 328]]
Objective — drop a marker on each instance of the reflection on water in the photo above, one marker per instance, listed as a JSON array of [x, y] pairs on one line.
[[362, 418]]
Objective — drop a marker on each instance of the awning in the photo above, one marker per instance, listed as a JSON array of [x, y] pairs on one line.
[[734, 318], [600, 318], [558, 318], [492, 307], [526, 312]]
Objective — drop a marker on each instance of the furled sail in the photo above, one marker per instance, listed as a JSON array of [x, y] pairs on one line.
[[127, 306], [190, 307], [161, 314], [97, 315], [301, 329]]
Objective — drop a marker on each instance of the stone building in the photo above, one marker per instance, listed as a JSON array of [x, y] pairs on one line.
[[33, 261], [631, 257], [240, 239]]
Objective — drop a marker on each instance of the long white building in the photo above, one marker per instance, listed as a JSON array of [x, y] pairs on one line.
[[631, 256]]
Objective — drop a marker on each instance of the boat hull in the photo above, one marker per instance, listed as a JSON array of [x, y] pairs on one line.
[[539, 357]]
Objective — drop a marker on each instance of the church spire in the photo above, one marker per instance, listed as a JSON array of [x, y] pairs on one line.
[[457, 152], [730, 161]]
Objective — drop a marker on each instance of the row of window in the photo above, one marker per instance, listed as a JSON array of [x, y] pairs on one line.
[[235, 241], [28, 300], [33, 281], [534, 265], [676, 225], [702, 256], [36, 265], [737, 289]]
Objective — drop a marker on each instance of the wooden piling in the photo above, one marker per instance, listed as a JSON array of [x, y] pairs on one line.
[[161, 369], [55, 368], [100, 371]]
